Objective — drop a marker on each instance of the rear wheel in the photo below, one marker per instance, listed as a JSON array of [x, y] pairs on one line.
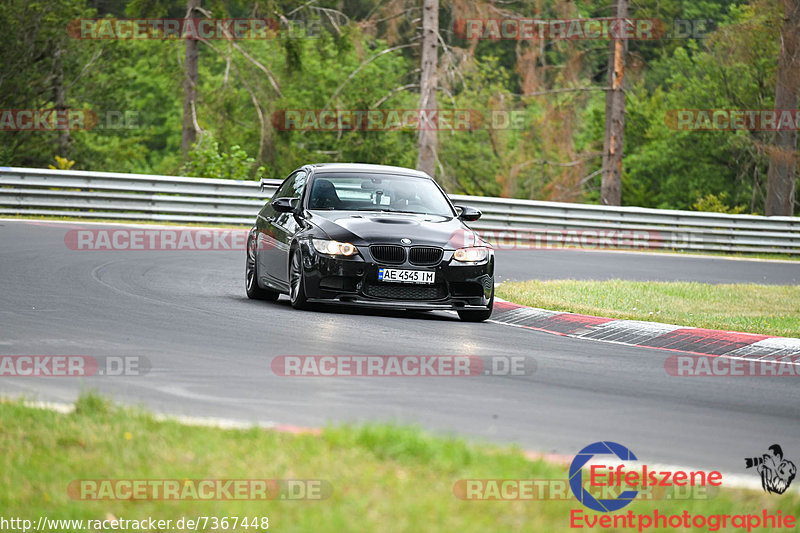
[[297, 293], [254, 292], [478, 316]]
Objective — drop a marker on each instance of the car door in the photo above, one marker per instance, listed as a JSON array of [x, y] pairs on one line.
[[276, 231]]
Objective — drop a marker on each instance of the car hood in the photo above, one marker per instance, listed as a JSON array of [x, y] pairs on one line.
[[366, 227]]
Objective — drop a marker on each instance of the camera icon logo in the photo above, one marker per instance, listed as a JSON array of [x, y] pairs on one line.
[[776, 472]]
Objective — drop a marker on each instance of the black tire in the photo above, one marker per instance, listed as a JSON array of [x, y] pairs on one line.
[[478, 316], [254, 292], [297, 293]]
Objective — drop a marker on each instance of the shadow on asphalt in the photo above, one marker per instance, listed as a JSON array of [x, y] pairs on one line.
[[344, 309]]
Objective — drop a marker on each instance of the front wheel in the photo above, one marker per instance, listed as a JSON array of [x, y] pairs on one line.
[[297, 293], [254, 292], [478, 316]]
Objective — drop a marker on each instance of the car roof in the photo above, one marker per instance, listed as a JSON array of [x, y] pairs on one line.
[[364, 167]]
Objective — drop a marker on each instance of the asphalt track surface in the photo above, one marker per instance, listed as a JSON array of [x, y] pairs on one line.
[[211, 349]]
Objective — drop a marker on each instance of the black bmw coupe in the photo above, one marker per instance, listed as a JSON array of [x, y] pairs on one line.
[[372, 236]]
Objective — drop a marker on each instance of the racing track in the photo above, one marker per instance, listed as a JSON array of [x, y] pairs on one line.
[[211, 350]]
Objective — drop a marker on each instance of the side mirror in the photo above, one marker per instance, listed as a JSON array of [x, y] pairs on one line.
[[284, 205], [467, 213]]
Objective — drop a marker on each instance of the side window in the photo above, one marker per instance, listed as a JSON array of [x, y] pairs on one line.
[[299, 184], [286, 186], [292, 187]]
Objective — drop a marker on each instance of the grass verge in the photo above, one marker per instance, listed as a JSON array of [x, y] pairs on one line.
[[766, 309], [384, 478]]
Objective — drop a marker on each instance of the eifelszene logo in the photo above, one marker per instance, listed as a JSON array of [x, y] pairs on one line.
[[776, 472], [576, 478], [620, 476]]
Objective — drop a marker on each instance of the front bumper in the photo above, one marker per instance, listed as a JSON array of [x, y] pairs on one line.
[[354, 281]]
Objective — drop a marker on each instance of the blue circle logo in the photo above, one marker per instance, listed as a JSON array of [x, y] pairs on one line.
[[576, 477]]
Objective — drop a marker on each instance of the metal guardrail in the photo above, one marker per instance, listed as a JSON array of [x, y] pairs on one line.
[[506, 222]]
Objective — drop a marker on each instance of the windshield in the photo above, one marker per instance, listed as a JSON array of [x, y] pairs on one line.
[[378, 192]]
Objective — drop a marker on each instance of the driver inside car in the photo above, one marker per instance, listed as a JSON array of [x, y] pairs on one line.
[[403, 196], [324, 196]]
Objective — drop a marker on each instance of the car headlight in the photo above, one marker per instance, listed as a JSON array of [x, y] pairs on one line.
[[473, 254], [324, 246]]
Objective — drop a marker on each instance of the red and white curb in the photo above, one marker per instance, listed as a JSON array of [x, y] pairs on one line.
[[648, 334]]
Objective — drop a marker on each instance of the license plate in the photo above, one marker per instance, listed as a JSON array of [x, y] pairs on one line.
[[405, 276]]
